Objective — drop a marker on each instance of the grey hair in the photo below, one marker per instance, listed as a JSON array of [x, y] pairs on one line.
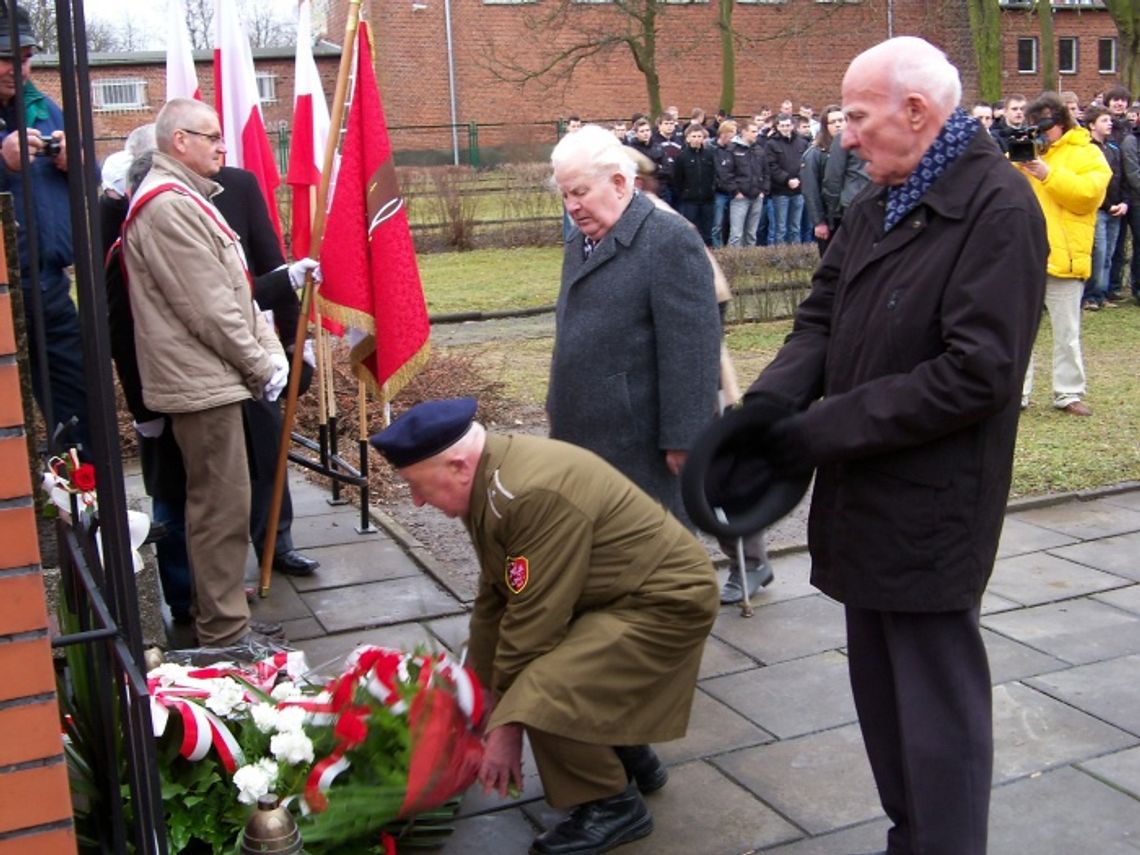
[[915, 65], [596, 151], [138, 170], [172, 116], [140, 139]]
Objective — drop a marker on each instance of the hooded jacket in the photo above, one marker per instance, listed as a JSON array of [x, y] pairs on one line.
[[1069, 197]]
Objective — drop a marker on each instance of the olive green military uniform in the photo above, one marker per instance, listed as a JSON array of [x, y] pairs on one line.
[[593, 608]]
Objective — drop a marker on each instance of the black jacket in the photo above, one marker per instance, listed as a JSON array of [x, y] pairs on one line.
[[694, 178], [749, 168], [1117, 191], [722, 156], [910, 350], [785, 157]]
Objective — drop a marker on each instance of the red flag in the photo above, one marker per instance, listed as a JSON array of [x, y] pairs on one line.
[[371, 281], [181, 77], [309, 137], [239, 106]]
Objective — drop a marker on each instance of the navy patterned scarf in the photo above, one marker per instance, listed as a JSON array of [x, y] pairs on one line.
[[947, 146]]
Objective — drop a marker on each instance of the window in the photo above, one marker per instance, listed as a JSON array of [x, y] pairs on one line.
[[118, 94], [1027, 55], [266, 87], [1106, 56], [763, 2], [1067, 55]]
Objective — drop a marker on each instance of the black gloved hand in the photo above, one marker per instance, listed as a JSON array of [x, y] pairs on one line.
[[785, 447]]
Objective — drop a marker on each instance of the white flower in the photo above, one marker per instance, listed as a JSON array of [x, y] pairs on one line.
[[286, 691], [227, 697], [265, 717], [169, 673], [255, 780], [292, 747], [290, 719]]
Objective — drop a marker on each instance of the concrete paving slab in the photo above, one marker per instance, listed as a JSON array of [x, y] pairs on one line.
[[785, 630], [453, 631], [992, 603], [346, 564], [504, 831], [1119, 555], [311, 499], [1010, 660], [866, 837], [1077, 631], [791, 698], [1126, 499], [475, 801], [1019, 536], [1109, 690], [700, 811], [820, 782], [282, 604], [1122, 598], [327, 653], [302, 629], [329, 529], [1085, 520], [1040, 577], [379, 603], [1120, 770], [1034, 732], [793, 578], [713, 729], [721, 658], [1063, 812]]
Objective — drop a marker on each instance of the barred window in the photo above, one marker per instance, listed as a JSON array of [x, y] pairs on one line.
[[118, 94]]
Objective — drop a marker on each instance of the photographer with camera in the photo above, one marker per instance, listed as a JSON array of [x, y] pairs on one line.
[[1069, 177], [47, 162]]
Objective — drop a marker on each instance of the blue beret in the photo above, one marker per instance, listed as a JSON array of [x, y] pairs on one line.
[[424, 431]]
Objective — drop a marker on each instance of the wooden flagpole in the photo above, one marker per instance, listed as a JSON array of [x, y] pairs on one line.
[[339, 98]]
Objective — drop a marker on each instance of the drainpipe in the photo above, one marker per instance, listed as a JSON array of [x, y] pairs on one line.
[[890, 19], [451, 83]]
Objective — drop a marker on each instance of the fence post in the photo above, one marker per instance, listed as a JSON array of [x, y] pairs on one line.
[[473, 144]]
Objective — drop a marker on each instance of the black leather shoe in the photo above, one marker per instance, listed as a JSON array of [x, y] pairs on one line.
[[597, 826], [643, 767], [293, 563]]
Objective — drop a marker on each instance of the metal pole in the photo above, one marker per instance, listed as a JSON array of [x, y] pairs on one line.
[[451, 83]]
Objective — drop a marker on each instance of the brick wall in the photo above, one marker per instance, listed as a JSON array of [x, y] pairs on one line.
[[35, 804]]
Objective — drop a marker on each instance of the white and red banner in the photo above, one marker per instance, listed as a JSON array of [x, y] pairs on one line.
[[239, 106], [181, 77], [310, 134]]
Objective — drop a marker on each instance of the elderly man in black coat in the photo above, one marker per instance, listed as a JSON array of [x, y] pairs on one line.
[[635, 369], [903, 375]]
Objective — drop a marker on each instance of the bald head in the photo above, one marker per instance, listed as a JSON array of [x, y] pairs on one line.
[[897, 96], [189, 131]]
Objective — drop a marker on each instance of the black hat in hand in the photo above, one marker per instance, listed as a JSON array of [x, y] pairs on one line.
[[732, 485]]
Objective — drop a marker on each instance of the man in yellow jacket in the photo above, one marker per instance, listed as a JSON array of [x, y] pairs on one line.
[[1069, 178]]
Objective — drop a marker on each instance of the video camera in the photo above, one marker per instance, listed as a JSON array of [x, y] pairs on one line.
[[1026, 144]]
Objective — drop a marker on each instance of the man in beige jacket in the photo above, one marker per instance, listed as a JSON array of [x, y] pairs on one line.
[[593, 608], [203, 348]]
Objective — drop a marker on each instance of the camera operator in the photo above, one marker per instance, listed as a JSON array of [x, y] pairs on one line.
[[47, 161], [1069, 177], [1011, 123]]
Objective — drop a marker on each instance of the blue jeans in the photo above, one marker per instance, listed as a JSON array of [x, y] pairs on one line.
[[721, 202], [66, 383], [789, 214], [173, 559], [766, 231], [744, 217], [1105, 241]]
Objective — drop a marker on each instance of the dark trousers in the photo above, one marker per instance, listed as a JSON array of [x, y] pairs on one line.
[[1134, 226], [263, 421], [922, 690], [64, 347], [700, 214]]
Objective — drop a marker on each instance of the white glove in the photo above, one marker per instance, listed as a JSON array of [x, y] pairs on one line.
[[309, 355], [280, 377], [151, 429], [298, 269]]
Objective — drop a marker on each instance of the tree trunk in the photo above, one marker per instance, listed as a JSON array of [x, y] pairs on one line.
[[727, 55], [1126, 15], [1048, 53], [985, 32]]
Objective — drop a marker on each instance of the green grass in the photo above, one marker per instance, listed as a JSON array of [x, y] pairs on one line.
[[1055, 452], [490, 279]]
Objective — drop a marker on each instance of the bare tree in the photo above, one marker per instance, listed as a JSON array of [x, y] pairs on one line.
[[263, 20], [985, 32], [1044, 11], [200, 23], [727, 54], [42, 14], [1126, 15], [102, 36]]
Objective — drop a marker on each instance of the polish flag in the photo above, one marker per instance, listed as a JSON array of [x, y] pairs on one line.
[[310, 134], [181, 78], [239, 107]]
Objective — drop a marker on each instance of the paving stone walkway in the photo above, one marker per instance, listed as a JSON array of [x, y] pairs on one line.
[[773, 761]]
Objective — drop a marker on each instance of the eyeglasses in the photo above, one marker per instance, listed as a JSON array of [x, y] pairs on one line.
[[214, 139]]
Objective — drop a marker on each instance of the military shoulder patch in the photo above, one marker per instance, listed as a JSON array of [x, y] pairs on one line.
[[518, 573]]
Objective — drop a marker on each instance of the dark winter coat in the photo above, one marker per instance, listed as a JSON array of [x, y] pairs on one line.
[[910, 350], [785, 157], [637, 346], [749, 169], [722, 157], [1117, 191], [694, 175]]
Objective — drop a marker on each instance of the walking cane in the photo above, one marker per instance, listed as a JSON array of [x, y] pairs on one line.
[[746, 601]]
